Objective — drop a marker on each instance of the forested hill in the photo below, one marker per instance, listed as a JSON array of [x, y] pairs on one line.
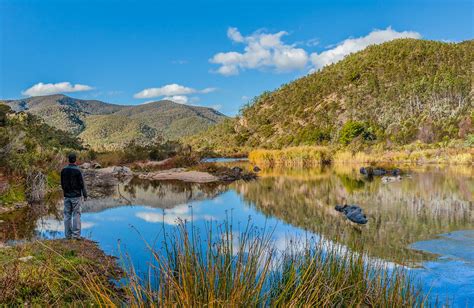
[[108, 126], [395, 93]]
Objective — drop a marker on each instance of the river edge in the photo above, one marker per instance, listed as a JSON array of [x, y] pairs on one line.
[[56, 272]]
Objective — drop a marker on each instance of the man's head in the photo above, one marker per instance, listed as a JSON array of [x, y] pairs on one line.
[[71, 157]]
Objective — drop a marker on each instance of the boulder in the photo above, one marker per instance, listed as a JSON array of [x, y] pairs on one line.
[[122, 171], [353, 212], [96, 166], [85, 166], [377, 171]]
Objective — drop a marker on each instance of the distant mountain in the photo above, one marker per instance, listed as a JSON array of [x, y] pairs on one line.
[[104, 125], [394, 93]]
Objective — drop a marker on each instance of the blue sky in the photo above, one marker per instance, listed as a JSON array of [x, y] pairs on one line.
[[209, 53]]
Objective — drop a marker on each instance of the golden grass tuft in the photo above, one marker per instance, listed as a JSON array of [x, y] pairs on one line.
[[293, 156]]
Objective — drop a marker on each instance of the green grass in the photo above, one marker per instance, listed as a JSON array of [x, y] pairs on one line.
[[57, 273], [15, 193]]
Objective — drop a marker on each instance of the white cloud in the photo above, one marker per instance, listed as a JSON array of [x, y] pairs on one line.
[[53, 225], [234, 35], [54, 88], [173, 92], [352, 45], [173, 216], [207, 90], [167, 90], [262, 50], [180, 99], [267, 51]]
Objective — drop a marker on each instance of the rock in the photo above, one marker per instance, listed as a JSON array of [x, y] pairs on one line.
[[377, 171], [96, 166], [256, 169], [180, 174], [237, 170], [353, 212], [390, 179], [85, 166], [122, 171]]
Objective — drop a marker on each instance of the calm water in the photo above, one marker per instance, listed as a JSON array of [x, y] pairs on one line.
[[425, 221]]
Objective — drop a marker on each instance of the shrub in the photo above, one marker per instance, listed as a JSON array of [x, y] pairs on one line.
[[352, 129]]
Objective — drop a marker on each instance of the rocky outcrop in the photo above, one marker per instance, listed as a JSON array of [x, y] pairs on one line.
[[180, 174], [353, 212]]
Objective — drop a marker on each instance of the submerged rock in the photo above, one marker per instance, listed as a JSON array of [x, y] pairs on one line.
[[377, 171], [353, 212]]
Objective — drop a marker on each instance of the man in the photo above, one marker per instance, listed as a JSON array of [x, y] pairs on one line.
[[73, 187]]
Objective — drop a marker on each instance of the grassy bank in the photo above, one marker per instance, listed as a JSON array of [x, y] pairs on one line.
[[228, 268], [55, 273], [310, 156]]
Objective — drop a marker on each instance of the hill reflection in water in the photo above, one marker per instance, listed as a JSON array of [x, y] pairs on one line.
[[429, 202]]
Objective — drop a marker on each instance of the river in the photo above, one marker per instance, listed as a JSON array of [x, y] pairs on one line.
[[424, 222]]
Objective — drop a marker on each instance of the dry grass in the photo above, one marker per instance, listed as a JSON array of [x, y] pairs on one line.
[[315, 155], [293, 156]]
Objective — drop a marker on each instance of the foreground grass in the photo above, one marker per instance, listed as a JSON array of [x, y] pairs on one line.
[[315, 155], [55, 273], [227, 268], [246, 270]]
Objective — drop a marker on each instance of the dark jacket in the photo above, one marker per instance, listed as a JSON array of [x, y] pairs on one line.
[[72, 182]]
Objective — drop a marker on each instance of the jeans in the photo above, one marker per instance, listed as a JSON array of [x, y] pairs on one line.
[[72, 217]]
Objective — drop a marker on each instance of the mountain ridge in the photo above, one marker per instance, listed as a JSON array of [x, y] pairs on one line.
[[108, 126]]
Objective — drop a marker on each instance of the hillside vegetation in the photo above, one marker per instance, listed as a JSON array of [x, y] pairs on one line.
[[107, 126], [391, 94], [29, 148]]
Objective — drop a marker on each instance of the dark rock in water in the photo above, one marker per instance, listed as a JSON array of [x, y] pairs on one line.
[[353, 212], [376, 171], [237, 170], [235, 174], [396, 172], [256, 169]]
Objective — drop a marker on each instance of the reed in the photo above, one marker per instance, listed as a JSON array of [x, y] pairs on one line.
[[306, 156], [227, 267], [245, 269], [293, 156]]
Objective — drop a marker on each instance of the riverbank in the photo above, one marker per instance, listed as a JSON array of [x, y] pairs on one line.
[[61, 272], [316, 155], [56, 272]]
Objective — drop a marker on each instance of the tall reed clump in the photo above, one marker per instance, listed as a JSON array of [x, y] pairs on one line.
[[293, 156], [246, 270]]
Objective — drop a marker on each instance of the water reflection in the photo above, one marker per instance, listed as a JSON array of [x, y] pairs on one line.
[[299, 203], [429, 202]]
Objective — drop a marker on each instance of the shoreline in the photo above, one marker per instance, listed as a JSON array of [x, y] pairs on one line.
[[57, 272], [316, 155]]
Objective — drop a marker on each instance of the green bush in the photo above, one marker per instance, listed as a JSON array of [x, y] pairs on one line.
[[353, 129]]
